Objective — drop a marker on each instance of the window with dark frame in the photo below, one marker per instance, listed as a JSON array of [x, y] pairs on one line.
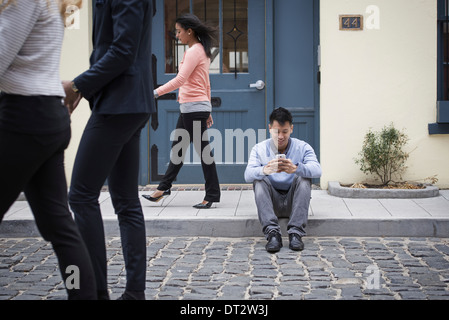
[[441, 125], [230, 16], [443, 51]]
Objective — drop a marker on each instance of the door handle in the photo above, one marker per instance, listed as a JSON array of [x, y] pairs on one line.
[[259, 85]]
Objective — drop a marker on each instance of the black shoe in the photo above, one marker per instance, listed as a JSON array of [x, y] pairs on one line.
[[132, 295], [206, 205], [157, 199], [274, 242], [295, 242]]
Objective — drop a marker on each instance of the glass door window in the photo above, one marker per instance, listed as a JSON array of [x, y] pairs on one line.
[[231, 19]]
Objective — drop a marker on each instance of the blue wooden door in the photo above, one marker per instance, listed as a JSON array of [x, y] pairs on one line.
[[295, 66], [238, 109]]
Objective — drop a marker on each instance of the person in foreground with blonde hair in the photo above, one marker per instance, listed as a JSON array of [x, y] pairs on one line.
[[35, 131]]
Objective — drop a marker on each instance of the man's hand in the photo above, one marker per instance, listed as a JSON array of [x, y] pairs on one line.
[[271, 167], [280, 165], [286, 165], [72, 98]]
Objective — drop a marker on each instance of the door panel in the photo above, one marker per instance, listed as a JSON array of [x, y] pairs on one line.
[[296, 70]]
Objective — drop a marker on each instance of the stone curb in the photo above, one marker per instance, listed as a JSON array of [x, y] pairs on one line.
[[250, 227], [335, 189]]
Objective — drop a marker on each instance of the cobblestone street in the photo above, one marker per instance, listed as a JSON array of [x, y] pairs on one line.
[[202, 268]]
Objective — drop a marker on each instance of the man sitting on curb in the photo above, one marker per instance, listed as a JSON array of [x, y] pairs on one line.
[[281, 169]]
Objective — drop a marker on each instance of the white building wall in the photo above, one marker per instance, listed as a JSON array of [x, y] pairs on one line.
[[373, 77], [75, 55]]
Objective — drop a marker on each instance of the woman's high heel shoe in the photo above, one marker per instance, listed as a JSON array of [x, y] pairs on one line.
[[157, 199], [206, 205]]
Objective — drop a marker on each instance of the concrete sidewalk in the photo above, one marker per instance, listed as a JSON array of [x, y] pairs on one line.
[[236, 216]]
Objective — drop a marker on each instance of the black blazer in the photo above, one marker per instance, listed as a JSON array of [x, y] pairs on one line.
[[120, 77]]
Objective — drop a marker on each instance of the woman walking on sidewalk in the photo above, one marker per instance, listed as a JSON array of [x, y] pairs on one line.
[[195, 106], [35, 129]]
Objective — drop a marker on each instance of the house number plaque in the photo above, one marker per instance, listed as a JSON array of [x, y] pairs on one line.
[[351, 22]]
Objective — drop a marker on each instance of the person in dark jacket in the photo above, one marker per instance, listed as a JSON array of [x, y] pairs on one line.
[[119, 88]]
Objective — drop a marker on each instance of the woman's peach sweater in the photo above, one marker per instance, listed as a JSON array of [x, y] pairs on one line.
[[193, 77]]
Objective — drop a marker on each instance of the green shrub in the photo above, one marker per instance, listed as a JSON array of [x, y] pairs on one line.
[[382, 154]]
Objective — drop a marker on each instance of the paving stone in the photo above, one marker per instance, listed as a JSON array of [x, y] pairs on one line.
[[412, 295], [234, 292]]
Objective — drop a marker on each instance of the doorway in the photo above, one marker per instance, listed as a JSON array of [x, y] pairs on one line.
[[258, 65]]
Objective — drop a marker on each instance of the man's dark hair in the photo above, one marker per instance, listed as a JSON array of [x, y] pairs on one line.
[[281, 115]]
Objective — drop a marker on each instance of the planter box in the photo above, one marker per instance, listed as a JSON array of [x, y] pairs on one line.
[[337, 190]]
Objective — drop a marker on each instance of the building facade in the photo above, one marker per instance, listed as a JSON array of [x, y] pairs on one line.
[[341, 67]]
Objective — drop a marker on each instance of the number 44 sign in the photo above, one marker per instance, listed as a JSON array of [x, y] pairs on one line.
[[351, 22], [355, 22]]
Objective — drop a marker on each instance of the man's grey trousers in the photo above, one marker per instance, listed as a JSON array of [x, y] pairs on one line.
[[272, 204]]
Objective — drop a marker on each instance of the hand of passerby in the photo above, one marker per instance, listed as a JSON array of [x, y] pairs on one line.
[[72, 98]]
